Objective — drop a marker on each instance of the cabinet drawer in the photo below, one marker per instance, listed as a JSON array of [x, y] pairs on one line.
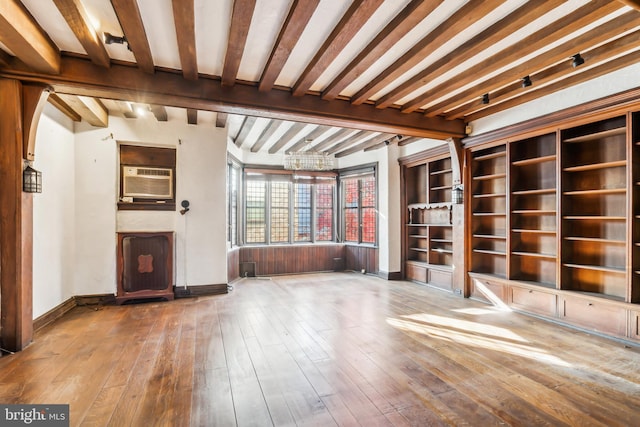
[[595, 315], [534, 301], [488, 290], [441, 279], [416, 272]]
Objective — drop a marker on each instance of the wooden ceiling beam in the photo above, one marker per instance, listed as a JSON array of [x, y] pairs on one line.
[[131, 22], [221, 120], [335, 138], [22, 35], [287, 137], [245, 129], [90, 109], [356, 139], [192, 116], [63, 107], [564, 52], [240, 22], [308, 139], [460, 20], [493, 34], [185, 24], [564, 26], [5, 58], [123, 81], [74, 12], [299, 15], [159, 112], [405, 21], [381, 140], [352, 21], [267, 133], [631, 3], [553, 75]]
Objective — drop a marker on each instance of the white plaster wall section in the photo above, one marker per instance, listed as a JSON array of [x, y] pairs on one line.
[[53, 213]]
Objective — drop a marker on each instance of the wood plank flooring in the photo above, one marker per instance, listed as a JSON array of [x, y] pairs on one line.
[[322, 350]]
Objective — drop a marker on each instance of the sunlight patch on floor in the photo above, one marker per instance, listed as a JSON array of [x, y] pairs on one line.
[[473, 334]]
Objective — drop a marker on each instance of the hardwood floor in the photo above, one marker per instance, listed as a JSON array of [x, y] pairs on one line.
[[323, 349]]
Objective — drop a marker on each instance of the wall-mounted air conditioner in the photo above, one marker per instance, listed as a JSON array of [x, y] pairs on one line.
[[147, 183]]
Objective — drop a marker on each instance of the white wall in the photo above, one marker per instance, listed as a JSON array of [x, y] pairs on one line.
[[199, 235], [53, 213]]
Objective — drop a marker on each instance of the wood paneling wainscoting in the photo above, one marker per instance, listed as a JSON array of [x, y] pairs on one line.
[[359, 258], [233, 264], [273, 260], [294, 259]]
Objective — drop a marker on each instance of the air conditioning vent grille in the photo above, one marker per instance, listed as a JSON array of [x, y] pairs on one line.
[[153, 172], [147, 183]]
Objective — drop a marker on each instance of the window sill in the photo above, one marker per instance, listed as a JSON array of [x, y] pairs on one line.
[[146, 206]]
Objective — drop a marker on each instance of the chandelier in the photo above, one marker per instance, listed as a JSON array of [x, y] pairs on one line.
[[308, 161]]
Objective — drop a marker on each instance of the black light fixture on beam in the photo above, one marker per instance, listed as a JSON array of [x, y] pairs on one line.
[[526, 81], [577, 60], [109, 38], [485, 98], [31, 180]]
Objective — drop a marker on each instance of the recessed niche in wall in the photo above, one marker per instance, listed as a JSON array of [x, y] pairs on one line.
[[147, 178]]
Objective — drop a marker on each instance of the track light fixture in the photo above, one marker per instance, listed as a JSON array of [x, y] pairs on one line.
[[109, 38], [526, 81], [577, 60], [485, 98]]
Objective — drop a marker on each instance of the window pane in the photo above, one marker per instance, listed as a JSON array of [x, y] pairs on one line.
[[351, 225], [368, 192], [256, 225], [279, 212], [302, 212], [324, 212], [351, 193], [368, 225]]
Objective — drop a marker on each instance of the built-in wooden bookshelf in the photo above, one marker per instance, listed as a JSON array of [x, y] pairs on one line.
[[594, 208], [489, 211], [554, 223], [428, 237], [533, 209]]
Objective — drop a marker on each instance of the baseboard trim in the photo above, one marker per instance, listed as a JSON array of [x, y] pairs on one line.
[[98, 299], [390, 275], [200, 290], [54, 314]]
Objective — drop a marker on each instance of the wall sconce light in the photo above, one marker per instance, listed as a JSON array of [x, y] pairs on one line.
[[577, 60], [526, 81], [457, 194], [485, 98], [31, 180]]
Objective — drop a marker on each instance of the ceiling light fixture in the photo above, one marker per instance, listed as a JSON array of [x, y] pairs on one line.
[[577, 60], [526, 81], [485, 98], [109, 38], [308, 160]]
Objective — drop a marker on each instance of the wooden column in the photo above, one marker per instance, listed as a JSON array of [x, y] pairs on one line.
[[457, 220], [20, 107]]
